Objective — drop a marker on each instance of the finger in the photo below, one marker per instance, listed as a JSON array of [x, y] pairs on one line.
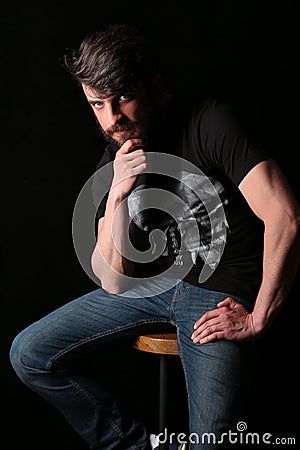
[[198, 333], [128, 157], [206, 316], [135, 153], [128, 146], [138, 169], [216, 320], [138, 158], [214, 329], [226, 302], [215, 312], [138, 161], [211, 337], [125, 164], [216, 317]]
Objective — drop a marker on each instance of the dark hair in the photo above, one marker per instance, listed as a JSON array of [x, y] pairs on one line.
[[112, 60]]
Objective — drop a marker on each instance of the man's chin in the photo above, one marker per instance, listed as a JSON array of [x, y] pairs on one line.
[[110, 140], [120, 139]]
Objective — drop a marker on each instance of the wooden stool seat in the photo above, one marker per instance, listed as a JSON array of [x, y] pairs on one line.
[[163, 344]]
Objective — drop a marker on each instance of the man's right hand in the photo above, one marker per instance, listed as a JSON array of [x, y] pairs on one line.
[[128, 164]]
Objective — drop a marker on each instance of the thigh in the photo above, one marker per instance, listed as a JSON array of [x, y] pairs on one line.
[[95, 320], [214, 372]]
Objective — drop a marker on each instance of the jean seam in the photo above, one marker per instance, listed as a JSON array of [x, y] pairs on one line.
[[184, 368], [173, 301], [98, 405]]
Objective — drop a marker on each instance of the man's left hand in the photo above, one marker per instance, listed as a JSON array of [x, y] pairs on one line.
[[230, 320]]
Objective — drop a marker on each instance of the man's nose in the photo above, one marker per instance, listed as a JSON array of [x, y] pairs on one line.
[[113, 114]]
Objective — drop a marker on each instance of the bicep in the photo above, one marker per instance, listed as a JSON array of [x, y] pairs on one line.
[[267, 191]]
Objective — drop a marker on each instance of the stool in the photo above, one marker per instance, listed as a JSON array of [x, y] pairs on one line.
[[163, 345]]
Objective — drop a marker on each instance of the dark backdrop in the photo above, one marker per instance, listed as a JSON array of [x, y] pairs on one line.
[[244, 51]]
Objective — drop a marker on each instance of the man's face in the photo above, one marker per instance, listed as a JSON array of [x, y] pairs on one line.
[[122, 117]]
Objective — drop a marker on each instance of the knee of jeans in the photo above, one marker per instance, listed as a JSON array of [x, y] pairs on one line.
[[23, 356]]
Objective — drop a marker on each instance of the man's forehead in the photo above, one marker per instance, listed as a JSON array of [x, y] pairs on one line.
[[94, 94]]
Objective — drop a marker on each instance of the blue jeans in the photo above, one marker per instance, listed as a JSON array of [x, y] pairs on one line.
[[44, 354]]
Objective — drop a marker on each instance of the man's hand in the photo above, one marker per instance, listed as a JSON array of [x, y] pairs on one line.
[[128, 164], [230, 320]]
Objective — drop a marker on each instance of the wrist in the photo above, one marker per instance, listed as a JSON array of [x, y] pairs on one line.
[[115, 197], [259, 323]]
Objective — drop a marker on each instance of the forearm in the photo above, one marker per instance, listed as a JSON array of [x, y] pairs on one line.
[[280, 265], [108, 261]]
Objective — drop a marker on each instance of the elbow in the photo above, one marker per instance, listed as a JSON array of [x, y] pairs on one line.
[[111, 286], [297, 231], [295, 225], [117, 284], [112, 290], [292, 225], [112, 280], [108, 285], [291, 220]]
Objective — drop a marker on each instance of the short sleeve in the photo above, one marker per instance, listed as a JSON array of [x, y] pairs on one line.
[[230, 144]]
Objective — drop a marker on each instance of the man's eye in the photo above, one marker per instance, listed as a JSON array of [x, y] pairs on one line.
[[125, 97], [97, 105]]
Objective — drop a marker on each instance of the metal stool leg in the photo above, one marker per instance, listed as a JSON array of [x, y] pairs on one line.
[[163, 399]]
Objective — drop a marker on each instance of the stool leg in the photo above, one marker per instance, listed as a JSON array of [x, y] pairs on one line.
[[163, 399]]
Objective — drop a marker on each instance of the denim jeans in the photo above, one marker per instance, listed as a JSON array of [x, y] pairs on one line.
[[45, 353]]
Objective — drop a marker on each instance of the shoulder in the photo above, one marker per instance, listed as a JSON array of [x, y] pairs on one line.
[[208, 114], [219, 113], [191, 104]]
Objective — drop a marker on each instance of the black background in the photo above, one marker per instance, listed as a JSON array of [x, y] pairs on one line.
[[245, 51]]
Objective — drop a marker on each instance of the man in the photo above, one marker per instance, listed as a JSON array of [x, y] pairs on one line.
[[190, 234]]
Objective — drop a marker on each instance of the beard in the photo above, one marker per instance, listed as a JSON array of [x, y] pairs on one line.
[[133, 129]]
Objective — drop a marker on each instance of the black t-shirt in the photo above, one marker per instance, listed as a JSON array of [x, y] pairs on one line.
[[209, 235]]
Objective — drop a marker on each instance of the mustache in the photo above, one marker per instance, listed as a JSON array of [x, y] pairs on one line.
[[126, 126]]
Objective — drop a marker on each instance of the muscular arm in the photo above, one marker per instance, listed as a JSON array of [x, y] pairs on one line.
[[108, 261], [270, 197]]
